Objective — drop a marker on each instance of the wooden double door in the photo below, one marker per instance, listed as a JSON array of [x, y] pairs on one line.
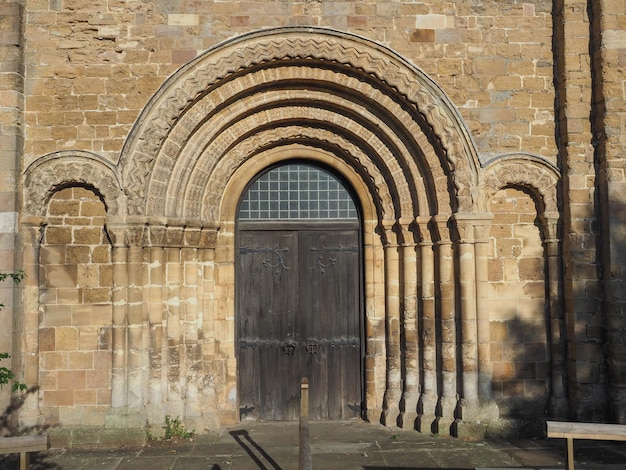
[[299, 315]]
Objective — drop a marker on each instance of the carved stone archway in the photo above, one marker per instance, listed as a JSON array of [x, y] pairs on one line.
[[311, 94], [326, 95]]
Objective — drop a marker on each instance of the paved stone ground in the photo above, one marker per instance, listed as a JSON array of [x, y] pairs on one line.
[[334, 445]]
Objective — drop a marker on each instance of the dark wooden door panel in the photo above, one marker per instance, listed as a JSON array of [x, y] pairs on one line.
[[298, 314], [267, 323], [330, 305]]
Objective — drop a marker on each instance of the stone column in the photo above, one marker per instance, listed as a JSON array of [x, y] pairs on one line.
[[426, 325], [475, 408], [174, 313], [558, 353], [26, 328], [482, 228], [119, 255], [467, 291], [193, 354], [393, 390], [447, 325], [213, 357], [136, 324], [374, 331], [410, 345], [156, 281]]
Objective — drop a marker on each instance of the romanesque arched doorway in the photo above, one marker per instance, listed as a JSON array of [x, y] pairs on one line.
[[175, 234], [299, 295]]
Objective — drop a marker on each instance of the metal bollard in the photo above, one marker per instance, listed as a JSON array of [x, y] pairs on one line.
[[306, 462]]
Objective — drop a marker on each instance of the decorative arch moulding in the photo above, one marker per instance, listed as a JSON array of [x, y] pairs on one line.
[[310, 47], [141, 183]]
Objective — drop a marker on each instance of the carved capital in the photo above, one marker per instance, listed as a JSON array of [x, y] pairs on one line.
[[473, 227]]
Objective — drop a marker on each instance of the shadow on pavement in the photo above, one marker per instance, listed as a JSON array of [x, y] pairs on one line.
[[37, 462], [254, 450]]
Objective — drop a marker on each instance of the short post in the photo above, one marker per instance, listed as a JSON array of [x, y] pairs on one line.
[[305, 445]]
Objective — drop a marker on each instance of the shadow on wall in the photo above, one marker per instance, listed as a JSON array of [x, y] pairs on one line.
[[521, 372]]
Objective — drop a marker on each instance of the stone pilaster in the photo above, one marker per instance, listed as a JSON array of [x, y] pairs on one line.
[[410, 344], [11, 151], [447, 321], [475, 408], [609, 42], [393, 392], [427, 329], [584, 312]]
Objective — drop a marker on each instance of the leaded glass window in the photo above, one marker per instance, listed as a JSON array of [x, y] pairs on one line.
[[297, 191]]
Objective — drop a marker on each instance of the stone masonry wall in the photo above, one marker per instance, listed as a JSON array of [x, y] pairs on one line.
[[518, 328], [75, 296], [93, 66], [609, 97], [522, 78], [11, 109]]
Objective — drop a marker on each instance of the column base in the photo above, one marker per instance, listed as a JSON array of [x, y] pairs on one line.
[[446, 408], [474, 418], [443, 426], [391, 417], [427, 408], [407, 420], [425, 423]]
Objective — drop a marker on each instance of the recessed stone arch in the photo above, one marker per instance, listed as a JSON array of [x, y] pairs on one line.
[[234, 187], [70, 168], [533, 174], [292, 54], [537, 268], [351, 105]]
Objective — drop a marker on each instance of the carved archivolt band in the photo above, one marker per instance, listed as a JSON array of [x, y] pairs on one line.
[[527, 172], [312, 49], [68, 168]]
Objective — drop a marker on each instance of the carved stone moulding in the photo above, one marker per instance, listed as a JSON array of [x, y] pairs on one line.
[[355, 58], [529, 173], [58, 170], [170, 233]]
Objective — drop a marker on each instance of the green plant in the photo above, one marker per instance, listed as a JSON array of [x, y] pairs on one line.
[[6, 374], [16, 277], [175, 429], [149, 436]]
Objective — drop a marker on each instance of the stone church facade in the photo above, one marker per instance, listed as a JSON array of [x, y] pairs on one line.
[[481, 143]]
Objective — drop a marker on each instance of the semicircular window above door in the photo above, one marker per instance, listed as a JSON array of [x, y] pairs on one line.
[[297, 191], [298, 295]]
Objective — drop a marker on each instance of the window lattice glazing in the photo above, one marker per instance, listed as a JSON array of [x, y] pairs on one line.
[[297, 191]]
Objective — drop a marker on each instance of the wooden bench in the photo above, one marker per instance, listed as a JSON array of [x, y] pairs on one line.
[[24, 445], [593, 431]]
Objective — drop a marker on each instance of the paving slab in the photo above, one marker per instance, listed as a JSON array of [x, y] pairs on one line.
[[335, 445]]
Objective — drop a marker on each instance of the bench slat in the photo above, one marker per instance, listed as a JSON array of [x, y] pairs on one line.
[[596, 431], [20, 444]]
